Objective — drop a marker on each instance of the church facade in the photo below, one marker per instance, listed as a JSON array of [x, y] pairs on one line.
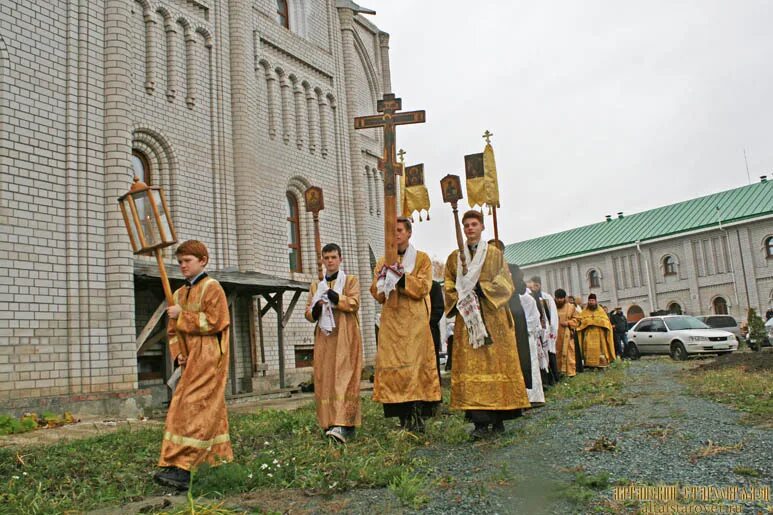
[[234, 108]]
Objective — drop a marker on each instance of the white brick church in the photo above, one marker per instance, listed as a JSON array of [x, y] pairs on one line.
[[234, 108]]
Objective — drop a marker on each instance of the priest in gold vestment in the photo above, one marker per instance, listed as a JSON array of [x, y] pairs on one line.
[[565, 352], [333, 304], [406, 380], [486, 377], [196, 429], [595, 331]]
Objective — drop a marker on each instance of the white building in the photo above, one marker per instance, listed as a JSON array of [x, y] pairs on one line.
[[709, 255], [235, 108]]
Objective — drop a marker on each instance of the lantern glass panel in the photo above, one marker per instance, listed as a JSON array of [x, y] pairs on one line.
[[147, 219], [135, 238], [163, 221]]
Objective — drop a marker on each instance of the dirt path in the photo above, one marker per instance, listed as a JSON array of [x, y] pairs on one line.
[[658, 435]]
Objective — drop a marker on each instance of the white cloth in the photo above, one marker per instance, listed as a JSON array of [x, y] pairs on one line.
[[326, 320], [389, 275], [539, 353], [467, 303], [551, 322], [536, 394]]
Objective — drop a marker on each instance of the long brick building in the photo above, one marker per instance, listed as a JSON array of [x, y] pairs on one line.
[[234, 108]]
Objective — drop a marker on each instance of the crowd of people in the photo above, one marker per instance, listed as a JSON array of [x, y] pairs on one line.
[[510, 341]]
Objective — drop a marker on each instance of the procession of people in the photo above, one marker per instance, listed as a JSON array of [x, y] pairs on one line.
[[512, 340]]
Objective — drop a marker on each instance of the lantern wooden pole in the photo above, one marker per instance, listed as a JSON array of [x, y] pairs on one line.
[[318, 245], [164, 278], [459, 240]]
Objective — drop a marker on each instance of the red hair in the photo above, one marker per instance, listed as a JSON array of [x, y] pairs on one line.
[[193, 248]]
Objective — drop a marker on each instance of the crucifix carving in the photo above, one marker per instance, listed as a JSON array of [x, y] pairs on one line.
[[389, 120]]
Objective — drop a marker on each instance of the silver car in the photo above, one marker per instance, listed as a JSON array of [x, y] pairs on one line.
[[678, 336]]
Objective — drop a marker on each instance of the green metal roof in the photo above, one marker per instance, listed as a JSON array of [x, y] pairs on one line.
[[734, 205]]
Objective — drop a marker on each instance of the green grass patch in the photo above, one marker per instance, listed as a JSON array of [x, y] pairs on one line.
[[747, 391], [592, 387], [410, 488], [273, 450], [584, 488], [747, 471]]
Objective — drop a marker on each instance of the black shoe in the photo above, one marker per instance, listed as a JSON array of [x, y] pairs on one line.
[[416, 424], [480, 432], [174, 477], [498, 427]]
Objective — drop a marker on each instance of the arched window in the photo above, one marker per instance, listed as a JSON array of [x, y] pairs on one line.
[[720, 306], [282, 13], [635, 313], [769, 247], [294, 233], [594, 279], [674, 308], [141, 167], [669, 265]]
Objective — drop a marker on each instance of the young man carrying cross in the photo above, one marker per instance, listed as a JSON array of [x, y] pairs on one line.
[[406, 380], [486, 379], [333, 304]]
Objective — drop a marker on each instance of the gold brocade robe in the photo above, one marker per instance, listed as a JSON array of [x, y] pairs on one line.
[[196, 428], [406, 370], [489, 377], [565, 353], [338, 359], [596, 342]]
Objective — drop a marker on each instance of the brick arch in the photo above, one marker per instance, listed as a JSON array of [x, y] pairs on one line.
[[162, 159], [297, 185]]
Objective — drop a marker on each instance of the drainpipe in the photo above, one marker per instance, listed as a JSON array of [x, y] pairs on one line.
[[647, 272]]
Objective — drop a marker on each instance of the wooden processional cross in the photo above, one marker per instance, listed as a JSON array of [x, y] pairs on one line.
[[389, 105]]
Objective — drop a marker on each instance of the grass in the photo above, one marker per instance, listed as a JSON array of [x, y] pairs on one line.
[[592, 387], [273, 449], [749, 391], [584, 488], [410, 488]]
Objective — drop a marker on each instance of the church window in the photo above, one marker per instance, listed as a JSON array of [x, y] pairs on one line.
[[769, 247], [674, 308], [141, 167], [594, 279], [669, 265], [282, 13], [294, 234]]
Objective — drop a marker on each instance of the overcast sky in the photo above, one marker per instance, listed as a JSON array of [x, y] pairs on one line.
[[596, 106]]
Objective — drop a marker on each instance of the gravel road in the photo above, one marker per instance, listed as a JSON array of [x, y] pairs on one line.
[[658, 436]]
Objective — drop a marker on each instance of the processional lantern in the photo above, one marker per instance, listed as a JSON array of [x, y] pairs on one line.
[[315, 203], [451, 186], [149, 224]]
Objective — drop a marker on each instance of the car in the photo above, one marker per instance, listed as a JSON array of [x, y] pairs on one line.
[[679, 336], [723, 322]]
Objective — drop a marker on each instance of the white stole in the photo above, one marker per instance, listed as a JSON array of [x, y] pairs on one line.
[[389, 275], [326, 319], [467, 304]]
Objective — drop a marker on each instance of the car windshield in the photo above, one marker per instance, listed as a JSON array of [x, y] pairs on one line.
[[681, 323]]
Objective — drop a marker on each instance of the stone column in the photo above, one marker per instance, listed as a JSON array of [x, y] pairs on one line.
[[150, 50], [359, 209], [171, 71], [190, 64], [386, 74]]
